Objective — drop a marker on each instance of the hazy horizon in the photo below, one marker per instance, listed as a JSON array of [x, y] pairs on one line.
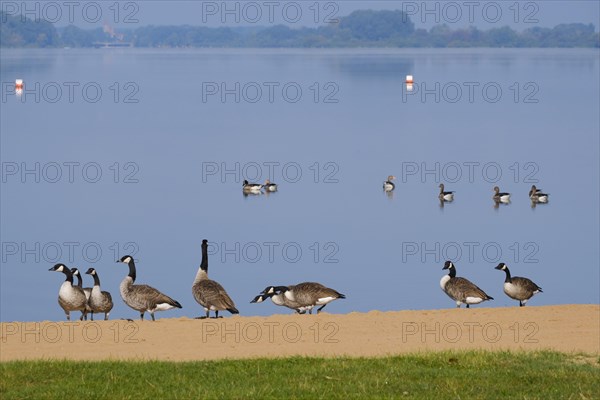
[[481, 14]]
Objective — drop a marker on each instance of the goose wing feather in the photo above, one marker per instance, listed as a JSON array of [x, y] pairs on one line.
[[460, 288], [525, 285], [308, 293], [210, 293], [148, 297]]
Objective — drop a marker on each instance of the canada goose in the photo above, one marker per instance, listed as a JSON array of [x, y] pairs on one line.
[[445, 196], [518, 288], [269, 186], [277, 295], [461, 290], [100, 301], [501, 197], [87, 291], [311, 294], [143, 298], [537, 196], [533, 190], [208, 293], [77, 274], [251, 187], [388, 185], [70, 298]]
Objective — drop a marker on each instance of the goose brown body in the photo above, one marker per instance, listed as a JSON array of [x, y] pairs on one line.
[[70, 297], [208, 293], [310, 294], [518, 288], [143, 298], [461, 290]]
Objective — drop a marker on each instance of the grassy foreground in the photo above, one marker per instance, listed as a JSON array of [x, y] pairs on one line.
[[445, 375]]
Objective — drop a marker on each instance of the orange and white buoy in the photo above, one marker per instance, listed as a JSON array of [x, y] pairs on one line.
[[19, 87], [409, 83]]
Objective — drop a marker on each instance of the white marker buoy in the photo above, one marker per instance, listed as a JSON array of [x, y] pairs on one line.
[[19, 84], [409, 83]]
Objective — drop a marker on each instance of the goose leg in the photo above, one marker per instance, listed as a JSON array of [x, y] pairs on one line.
[[216, 314], [92, 316], [68, 315], [521, 303], [152, 315], [106, 316], [142, 316], [320, 308], [467, 306]]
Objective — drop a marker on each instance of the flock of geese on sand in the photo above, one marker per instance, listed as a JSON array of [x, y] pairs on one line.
[[301, 297]]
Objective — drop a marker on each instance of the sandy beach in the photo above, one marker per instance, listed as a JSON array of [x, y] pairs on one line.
[[565, 328]]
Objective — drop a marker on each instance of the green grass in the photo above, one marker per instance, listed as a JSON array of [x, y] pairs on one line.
[[445, 375]]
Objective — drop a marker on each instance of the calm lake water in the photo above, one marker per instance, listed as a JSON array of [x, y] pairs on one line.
[[117, 151]]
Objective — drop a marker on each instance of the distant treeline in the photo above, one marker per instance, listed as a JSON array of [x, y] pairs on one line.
[[365, 28]]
